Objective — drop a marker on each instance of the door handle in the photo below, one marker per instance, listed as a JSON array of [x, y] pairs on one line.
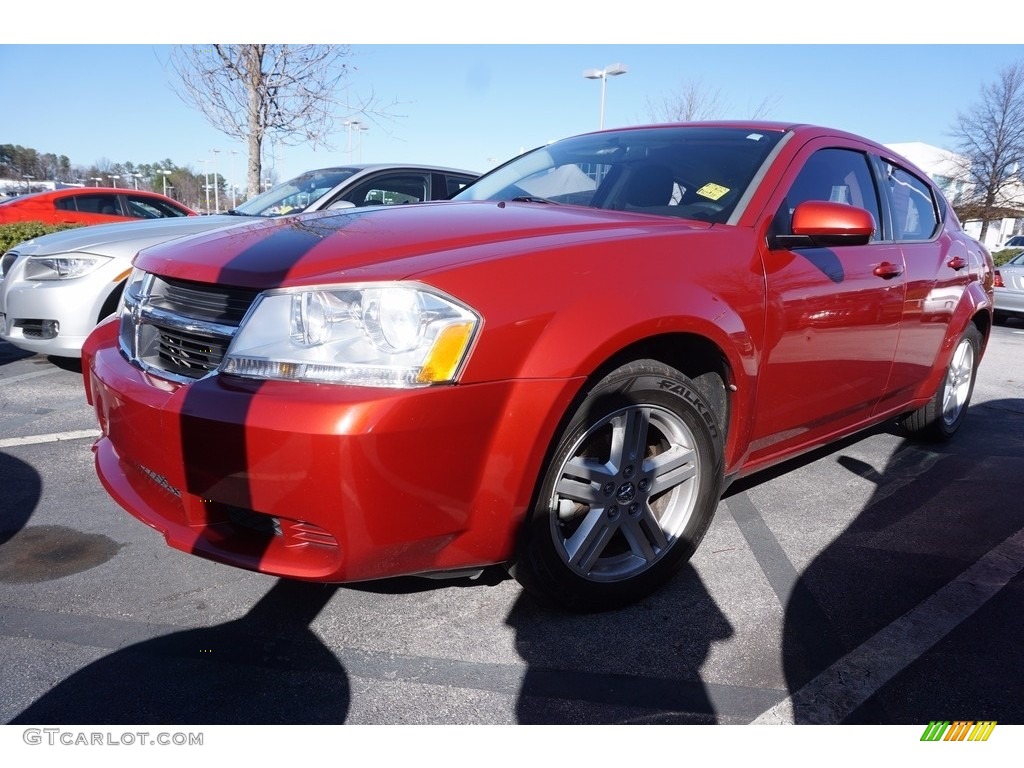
[[957, 263], [888, 271]]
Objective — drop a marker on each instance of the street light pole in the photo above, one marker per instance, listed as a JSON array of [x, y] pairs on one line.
[[352, 125], [165, 174], [603, 74], [233, 184], [359, 141], [114, 178], [206, 176], [97, 179], [216, 183]]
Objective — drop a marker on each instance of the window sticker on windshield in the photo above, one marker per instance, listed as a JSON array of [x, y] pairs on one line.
[[755, 136], [712, 191]]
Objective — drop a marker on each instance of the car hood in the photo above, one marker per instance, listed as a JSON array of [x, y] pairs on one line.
[[384, 243], [115, 239]]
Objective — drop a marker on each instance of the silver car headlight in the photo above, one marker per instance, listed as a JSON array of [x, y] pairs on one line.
[[64, 267], [374, 335]]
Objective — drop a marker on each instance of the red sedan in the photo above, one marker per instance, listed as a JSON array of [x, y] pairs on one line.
[[560, 370], [90, 205]]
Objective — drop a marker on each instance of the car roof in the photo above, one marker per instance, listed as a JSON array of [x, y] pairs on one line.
[[71, 191], [359, 167]]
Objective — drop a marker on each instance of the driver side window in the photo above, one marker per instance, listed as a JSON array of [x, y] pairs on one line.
[[831, 175]]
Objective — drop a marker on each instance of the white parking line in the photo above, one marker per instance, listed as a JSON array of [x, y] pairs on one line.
[[55, 437], [33, 375], [834, 694]]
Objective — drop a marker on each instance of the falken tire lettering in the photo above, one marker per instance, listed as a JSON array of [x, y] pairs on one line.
[[693, 399]]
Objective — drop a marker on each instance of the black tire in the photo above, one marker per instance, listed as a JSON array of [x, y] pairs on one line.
[[614, 518], [942, 416]]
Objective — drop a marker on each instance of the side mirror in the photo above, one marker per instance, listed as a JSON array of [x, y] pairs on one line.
[[821, 224], [338, 205]]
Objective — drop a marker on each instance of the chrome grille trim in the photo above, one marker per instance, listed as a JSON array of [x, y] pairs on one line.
[[180, 330], [169, 319], [210, 303]]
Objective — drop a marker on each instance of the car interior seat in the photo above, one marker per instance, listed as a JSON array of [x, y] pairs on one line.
[[649, 186]]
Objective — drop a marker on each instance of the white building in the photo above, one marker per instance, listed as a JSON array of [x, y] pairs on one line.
[[944, 167]]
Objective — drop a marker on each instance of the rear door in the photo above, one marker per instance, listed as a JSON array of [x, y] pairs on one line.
[[89, 208], [937, 274]]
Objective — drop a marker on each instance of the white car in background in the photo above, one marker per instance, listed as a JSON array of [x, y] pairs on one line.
[[56, 288]]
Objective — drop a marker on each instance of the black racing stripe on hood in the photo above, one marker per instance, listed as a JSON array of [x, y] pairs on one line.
[[274, 256], [222, 444]]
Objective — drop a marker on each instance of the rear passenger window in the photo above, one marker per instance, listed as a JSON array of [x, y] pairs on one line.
[[98, 203], [913, 206]]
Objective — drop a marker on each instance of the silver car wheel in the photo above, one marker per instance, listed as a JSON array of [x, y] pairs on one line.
[[959, 378], [625, 492]]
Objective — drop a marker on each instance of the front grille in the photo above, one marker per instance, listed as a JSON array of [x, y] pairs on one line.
[[254, 521], [178, 328], [191, 355], [35, 329], [7, 262], [296, 533], [215, 303], [160, 480]]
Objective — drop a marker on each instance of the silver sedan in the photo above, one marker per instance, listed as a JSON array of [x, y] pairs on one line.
[[1009, 293], [56, 288]]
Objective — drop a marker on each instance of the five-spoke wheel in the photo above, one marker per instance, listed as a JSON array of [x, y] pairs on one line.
[[629, 492]]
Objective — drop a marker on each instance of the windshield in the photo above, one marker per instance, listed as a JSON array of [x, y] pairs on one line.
[[295, 195], [6, 200], [698, 172]]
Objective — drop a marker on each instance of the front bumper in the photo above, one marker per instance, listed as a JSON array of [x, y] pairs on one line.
[[74, 305], [322, 483]]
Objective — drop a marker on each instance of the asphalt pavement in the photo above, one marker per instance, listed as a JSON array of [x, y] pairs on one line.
[[878, 581]]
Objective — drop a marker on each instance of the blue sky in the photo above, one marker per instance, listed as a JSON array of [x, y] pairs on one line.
[[474, 105]]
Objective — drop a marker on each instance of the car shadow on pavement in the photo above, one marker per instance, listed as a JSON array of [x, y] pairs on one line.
[[912, 613], [639, 664], [409, 585], [10, 353], [21, 487], [71, 364], [267, 667]]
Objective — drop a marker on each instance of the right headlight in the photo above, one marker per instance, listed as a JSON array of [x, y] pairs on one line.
[[62, 267], [377, 335]]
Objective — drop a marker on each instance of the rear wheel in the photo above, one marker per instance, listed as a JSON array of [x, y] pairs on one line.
[[941, 418], [628, 494]]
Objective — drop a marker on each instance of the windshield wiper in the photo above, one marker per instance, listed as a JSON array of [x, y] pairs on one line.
[[532, 199], [236, 212]]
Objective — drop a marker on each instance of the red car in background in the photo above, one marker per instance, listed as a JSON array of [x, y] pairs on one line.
[[90, 205], [560, 370]]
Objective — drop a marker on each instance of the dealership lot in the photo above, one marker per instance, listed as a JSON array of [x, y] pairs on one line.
[[878, 581]]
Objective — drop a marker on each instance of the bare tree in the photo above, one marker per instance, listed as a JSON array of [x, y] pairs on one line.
[[990, 139], [254, 92], [694, 100]]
